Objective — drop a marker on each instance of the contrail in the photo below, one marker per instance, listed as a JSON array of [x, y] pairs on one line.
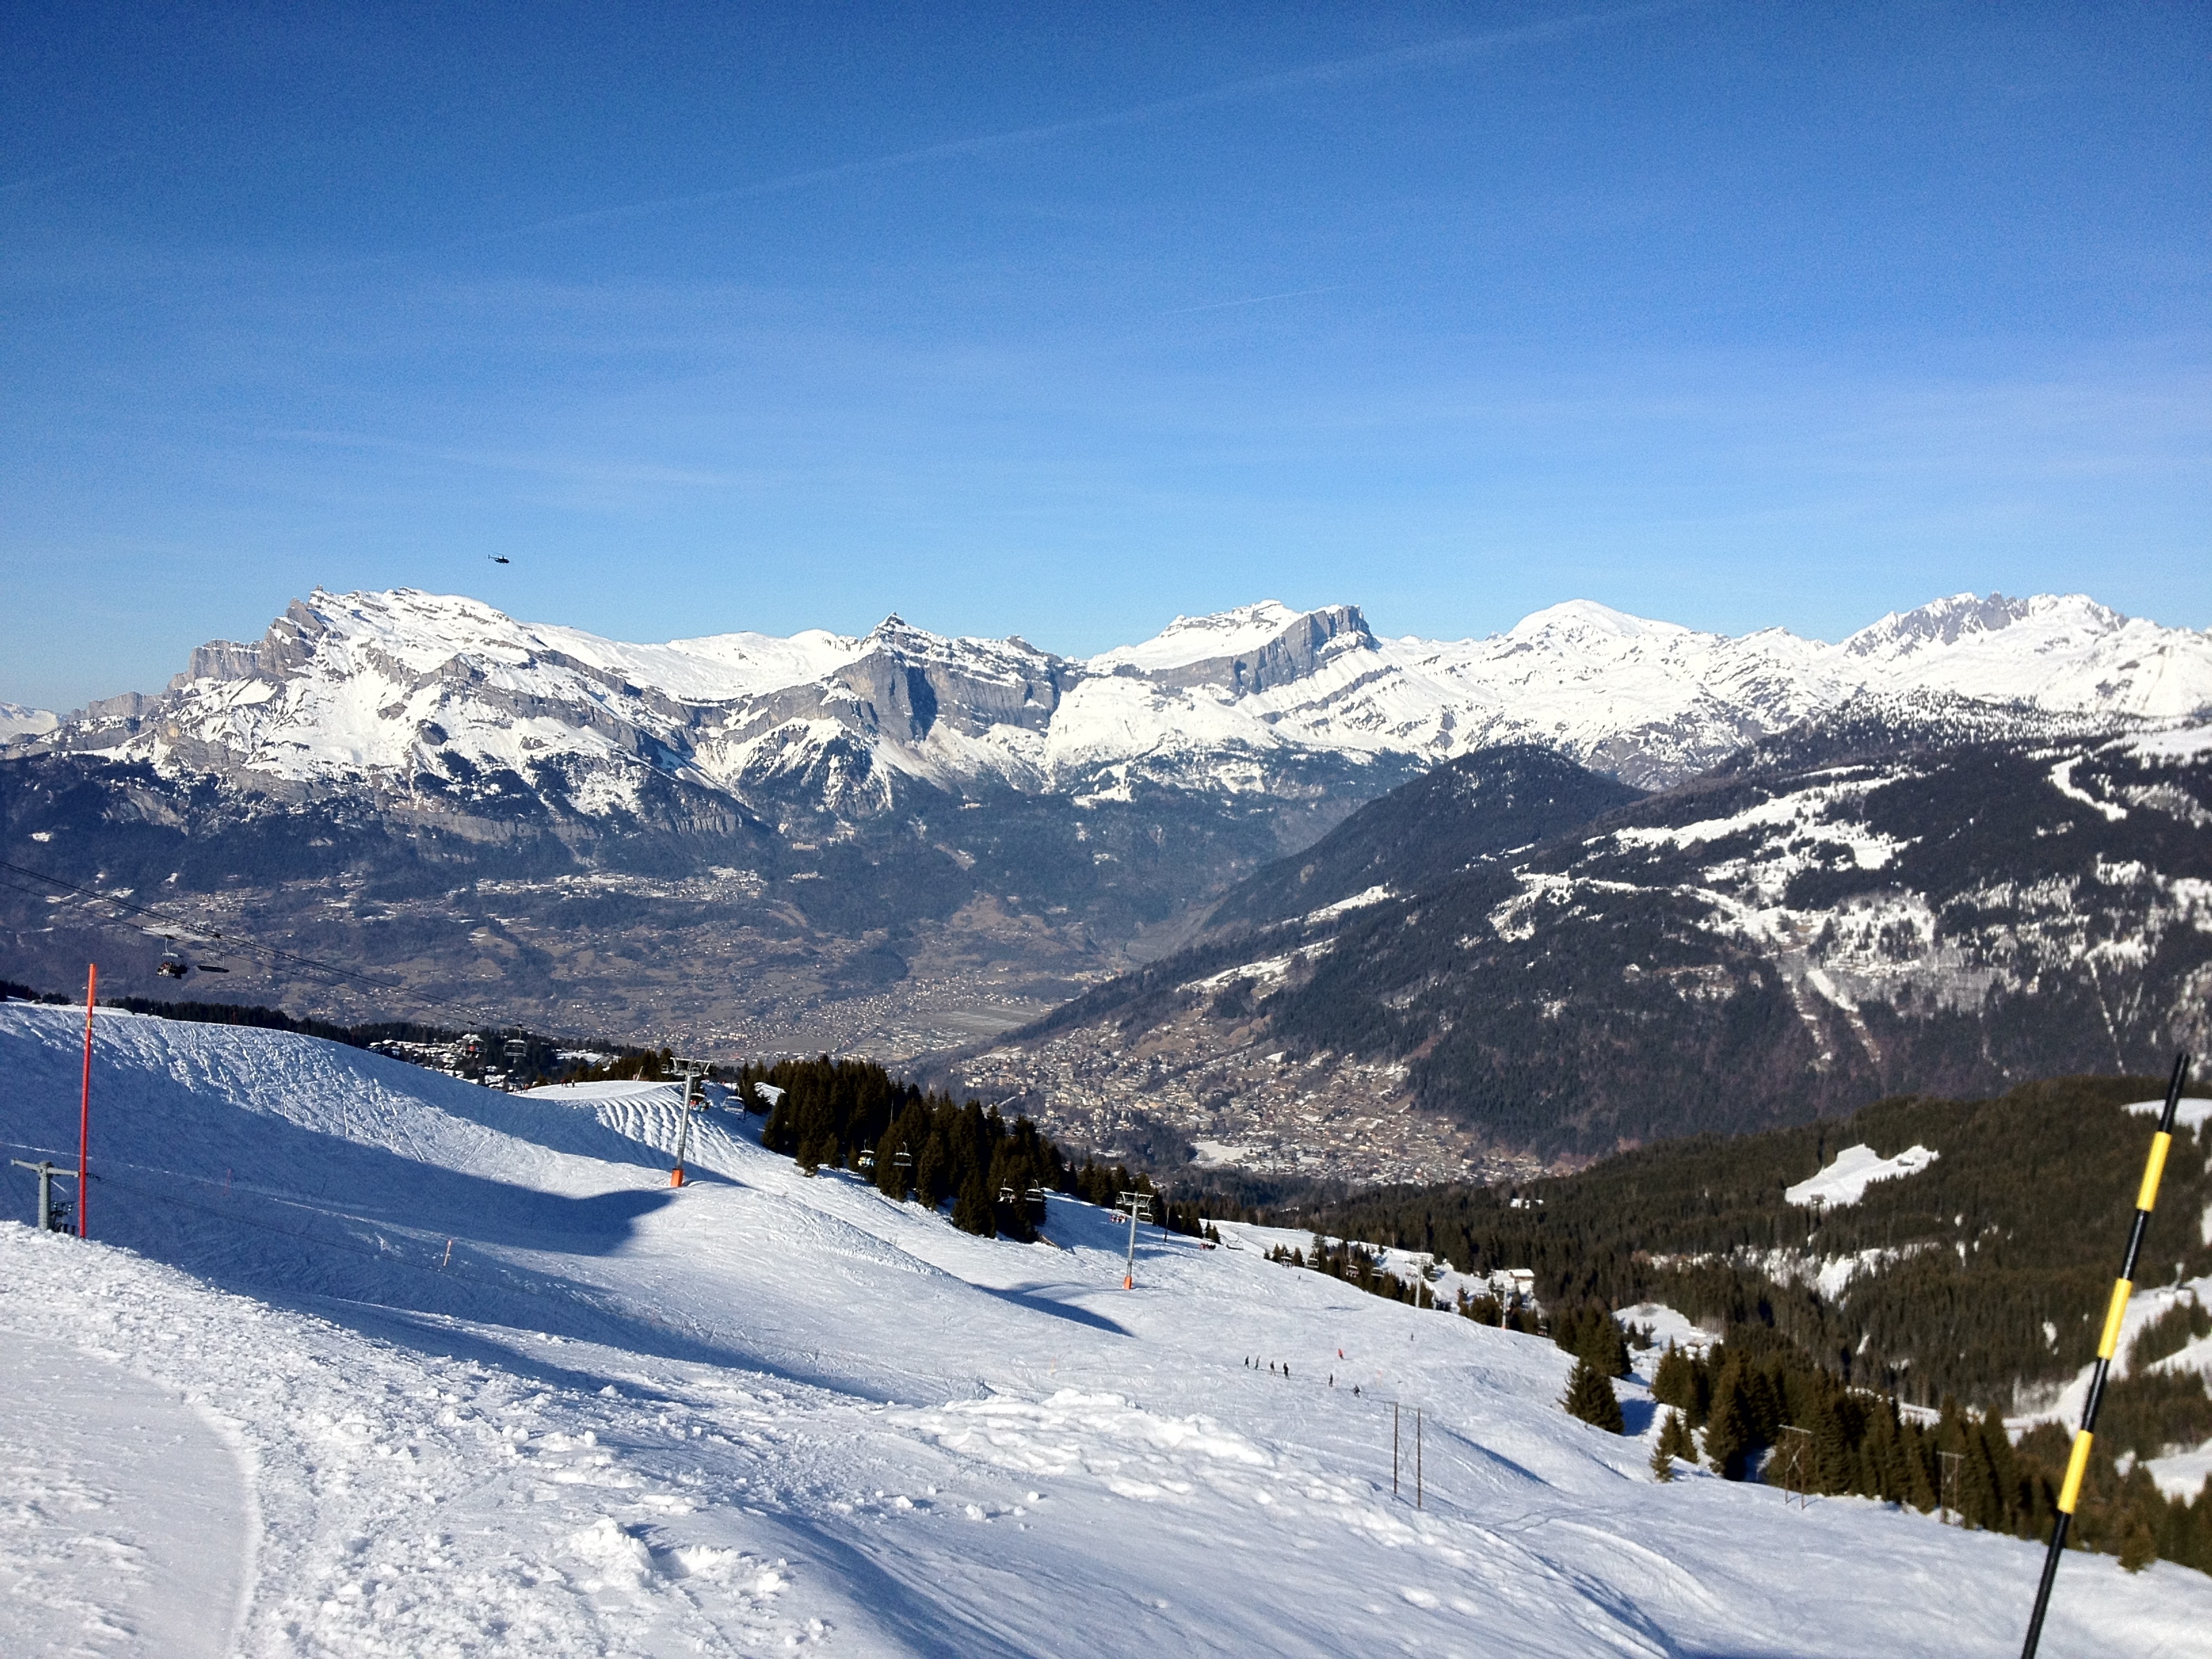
[[1456, 48], [1256, 300], [16, 186]]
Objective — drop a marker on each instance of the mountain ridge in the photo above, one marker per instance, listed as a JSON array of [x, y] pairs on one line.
[[1651, 701], [1842, 912], [893, 842]]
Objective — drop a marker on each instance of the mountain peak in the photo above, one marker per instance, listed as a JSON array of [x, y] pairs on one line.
[[1962, 617], [18, 721], [1233, 633], [1587, 618]]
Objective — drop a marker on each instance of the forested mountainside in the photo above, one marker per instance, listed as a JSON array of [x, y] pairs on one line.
[[1980, 1272], [1864, 906]]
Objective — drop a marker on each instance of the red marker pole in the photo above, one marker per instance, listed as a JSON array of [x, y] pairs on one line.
[[84, 1106]]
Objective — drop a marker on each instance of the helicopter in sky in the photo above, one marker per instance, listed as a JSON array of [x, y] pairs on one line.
[[499, 558]]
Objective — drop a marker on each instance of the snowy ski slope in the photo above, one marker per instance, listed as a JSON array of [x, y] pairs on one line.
[[363, 1360]]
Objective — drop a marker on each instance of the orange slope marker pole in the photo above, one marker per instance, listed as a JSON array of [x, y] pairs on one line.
[[2108, 1344], [84, 1101]]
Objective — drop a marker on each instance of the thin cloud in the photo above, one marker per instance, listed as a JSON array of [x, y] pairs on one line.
[[549, 466], [1256, 300], [22, 186], [1456, 49]]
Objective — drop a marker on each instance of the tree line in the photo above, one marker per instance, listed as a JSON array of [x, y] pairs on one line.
[[923, 1145]]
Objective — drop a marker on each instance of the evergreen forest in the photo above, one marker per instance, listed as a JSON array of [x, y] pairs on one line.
[[1978, 1288], [912, 1144]]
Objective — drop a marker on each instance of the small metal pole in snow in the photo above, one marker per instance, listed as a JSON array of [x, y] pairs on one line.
[[448, 1261], [693, 1071], [1138, 1206], [84, 1107], [1796, 1471]]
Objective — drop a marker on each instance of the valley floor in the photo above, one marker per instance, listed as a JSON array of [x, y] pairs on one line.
[[362, 1360]]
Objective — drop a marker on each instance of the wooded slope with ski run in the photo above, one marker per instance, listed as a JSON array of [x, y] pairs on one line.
[[487, 1383]]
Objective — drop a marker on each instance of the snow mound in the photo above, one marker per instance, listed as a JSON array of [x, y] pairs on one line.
[[1855, 1169]]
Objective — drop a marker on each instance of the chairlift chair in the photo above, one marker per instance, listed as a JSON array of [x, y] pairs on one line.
[[902, 1159], [173, 964], [866, 1159], [1005, 1194]]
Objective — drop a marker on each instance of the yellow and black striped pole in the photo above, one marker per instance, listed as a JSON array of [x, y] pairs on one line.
[[2078, 1465]]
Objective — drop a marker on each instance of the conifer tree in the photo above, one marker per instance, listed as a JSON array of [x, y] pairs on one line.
[[1727, 1434], [971, 1210], [1834, 1465], [1675, 1441], [1602, 1343], [1674, 1383], [1590, 1396], [935, 1176]]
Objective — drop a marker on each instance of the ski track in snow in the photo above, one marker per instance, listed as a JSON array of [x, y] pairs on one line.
[[110, 1473], [769, 1412]]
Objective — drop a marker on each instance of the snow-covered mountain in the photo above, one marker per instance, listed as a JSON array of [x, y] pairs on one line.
[[363, 1360], [1841, 912], [894, 840], [377, 691], [18, 721]]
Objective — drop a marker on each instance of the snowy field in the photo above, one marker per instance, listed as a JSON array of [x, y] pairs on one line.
[[363, 1360]]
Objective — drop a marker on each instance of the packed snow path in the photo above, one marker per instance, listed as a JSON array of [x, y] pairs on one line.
[[127, 1528], [493, 1387]]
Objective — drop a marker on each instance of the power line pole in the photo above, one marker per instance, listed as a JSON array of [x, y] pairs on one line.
[[1138, 1206], [46, 1170], [84, 1107], [694, 1070]]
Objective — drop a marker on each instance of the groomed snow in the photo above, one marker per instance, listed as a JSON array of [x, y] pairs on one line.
[[488, 1385], [1855, 1169]]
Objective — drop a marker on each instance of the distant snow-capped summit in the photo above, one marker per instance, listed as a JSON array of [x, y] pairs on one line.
[[18, 721], [402, 691]]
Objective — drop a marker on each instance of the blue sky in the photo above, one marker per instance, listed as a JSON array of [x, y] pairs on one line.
[[1061, 320]]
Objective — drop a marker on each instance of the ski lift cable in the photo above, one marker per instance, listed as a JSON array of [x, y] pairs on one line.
[[231, 941]]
